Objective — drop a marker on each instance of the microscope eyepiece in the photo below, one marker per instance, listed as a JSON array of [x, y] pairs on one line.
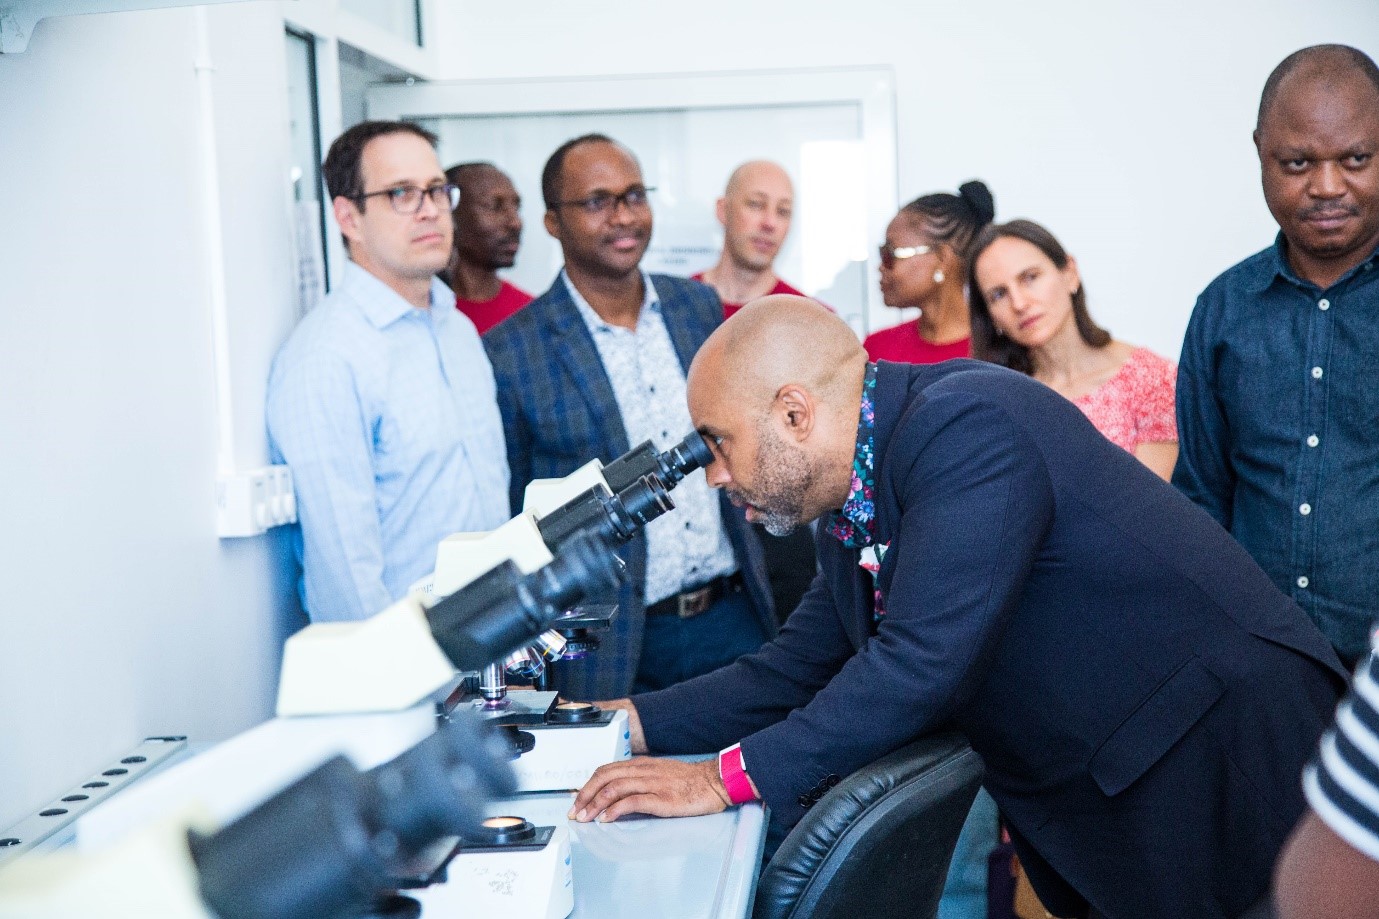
[[688, 455], [616, 517], [670, 467], [502, 610], [638, 504]]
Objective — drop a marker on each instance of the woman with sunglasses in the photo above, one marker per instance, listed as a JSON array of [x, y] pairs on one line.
[[924, 266], [1029, 313]]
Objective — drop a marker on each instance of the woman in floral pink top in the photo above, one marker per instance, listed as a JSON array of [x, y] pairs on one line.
[[1029, 313]]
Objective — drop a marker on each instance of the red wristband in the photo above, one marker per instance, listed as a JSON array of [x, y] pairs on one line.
[[734, 776]]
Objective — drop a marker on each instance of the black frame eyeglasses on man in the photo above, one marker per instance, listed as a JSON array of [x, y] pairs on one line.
[[605, 202], [406, 199]]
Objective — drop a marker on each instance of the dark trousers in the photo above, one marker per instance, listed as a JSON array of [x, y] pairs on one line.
[[675, 649]]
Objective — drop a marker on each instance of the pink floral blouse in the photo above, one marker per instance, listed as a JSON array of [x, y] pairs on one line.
[[1136, 405]]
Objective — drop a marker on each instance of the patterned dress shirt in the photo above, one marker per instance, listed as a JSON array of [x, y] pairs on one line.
[[1278, 429], [689, 546], [388, 417], [855, 524]]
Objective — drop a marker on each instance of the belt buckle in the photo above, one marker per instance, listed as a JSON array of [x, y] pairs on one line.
[[691, 604]]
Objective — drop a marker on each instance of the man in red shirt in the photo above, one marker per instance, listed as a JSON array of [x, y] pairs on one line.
[[755, 211], [488, 230]]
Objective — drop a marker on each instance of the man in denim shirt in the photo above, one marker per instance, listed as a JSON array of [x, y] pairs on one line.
[[1278, 386]]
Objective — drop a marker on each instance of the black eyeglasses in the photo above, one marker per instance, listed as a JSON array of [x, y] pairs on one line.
[[606, 202], [892, 254], [406, 199]]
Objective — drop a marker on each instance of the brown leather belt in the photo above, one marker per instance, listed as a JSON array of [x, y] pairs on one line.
[[691, 603]]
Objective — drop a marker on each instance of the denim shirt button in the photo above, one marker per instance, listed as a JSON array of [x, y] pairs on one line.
[[1324, 305], [1303, 582], [1313, 440], [1316, 373], [1305, 509]]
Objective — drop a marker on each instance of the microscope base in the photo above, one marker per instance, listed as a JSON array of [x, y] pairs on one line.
[[516, 885], [566, 755]]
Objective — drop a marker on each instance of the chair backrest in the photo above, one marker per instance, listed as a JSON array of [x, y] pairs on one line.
[[879, 843]]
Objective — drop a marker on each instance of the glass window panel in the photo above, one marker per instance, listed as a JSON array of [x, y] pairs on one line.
[[304, 170]]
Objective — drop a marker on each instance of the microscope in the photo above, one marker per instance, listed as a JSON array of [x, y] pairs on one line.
[[616, 501], [337, 842]]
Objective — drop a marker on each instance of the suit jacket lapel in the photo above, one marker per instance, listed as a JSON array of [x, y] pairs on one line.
[[575, 348], [890, 402], [687, 328]]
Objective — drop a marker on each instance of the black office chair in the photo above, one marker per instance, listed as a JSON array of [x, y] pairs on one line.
[[879, 843]]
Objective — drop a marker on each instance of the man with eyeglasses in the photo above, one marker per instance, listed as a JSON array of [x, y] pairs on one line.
[[488, 230], [596, 365], [382, 400]]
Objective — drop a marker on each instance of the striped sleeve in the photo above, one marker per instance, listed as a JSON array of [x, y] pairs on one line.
[[1342, 784]]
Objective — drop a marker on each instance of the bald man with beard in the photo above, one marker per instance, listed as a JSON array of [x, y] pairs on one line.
[[1142, 695]]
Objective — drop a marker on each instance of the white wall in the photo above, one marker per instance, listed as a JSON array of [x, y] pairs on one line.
[[121, 613], [1123, 126]]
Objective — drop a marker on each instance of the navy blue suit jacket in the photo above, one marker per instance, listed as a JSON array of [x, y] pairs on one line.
[[1142, 695], [559, 412]]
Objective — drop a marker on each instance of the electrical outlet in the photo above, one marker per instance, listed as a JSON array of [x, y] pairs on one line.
[[251, 501]]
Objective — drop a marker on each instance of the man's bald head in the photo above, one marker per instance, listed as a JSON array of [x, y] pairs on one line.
[[1328, 65], [777, 389], [756, 210], [784, 339], [753, 172]]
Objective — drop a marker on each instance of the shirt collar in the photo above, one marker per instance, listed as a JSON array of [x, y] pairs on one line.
[[382, 305], [1273, 265], [650, 301], [855, 525]]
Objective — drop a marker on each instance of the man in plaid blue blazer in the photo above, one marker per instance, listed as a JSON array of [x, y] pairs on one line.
[[597, 364]]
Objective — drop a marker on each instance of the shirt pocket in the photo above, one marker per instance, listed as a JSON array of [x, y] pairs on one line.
[[1151, 730]]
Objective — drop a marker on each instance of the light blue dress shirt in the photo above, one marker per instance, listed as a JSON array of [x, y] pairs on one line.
[[688, 547], [388, 417]]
